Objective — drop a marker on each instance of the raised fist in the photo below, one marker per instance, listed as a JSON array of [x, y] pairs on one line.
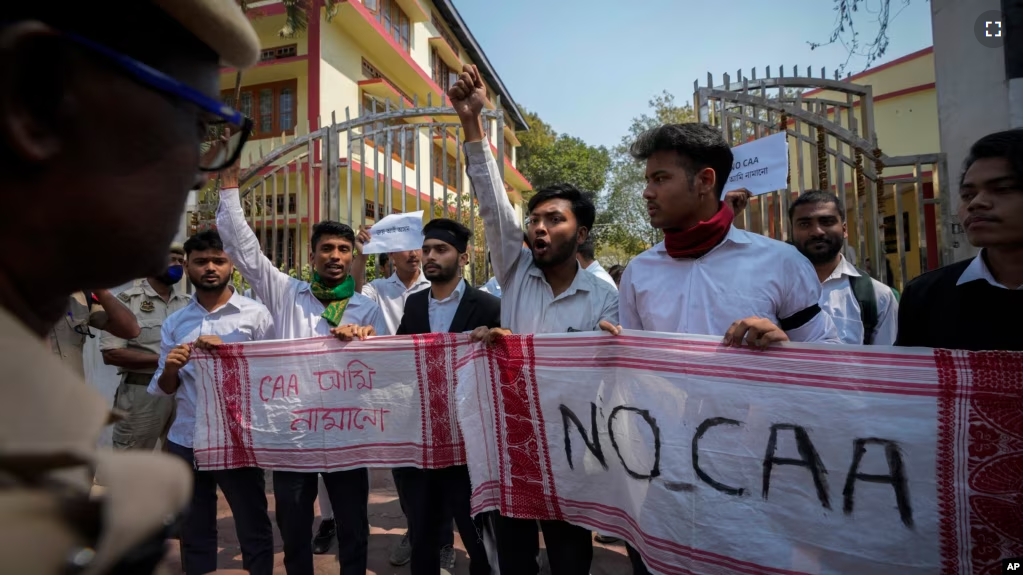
[[468, 94]]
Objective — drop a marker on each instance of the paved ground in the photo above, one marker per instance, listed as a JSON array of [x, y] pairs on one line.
[[387, 524]]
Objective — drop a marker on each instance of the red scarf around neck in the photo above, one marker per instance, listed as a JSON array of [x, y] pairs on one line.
[[700, 239]]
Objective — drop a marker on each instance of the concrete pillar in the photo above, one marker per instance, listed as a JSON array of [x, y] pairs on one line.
[[973, 91]]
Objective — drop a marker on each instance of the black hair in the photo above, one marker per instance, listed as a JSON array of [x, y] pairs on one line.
[[460, 232], [382, 259], [1005, 144], [616, 272], [698, 145], [205, 240], [817, 197], [582, 206], [587, 248], [332, 228]]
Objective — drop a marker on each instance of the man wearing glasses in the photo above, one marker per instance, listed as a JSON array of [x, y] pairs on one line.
[[102, 128]]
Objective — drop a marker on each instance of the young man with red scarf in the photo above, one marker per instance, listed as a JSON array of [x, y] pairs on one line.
[[724, 281]]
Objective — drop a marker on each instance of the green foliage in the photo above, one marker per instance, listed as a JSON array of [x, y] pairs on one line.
[[296, 14], [622, 220], [548, 158]]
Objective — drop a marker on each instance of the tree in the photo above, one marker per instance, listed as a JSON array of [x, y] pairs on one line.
[[296, 14], [547, 158], [845, 32], [622, 221]]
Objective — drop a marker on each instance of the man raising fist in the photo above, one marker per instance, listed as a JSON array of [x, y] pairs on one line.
[[544, 290]]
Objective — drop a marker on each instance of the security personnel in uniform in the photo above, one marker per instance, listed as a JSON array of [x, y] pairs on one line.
[[107, 135], [87, 310], [146, 418]]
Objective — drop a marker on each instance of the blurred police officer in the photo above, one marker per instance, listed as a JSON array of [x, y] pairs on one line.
[[98, 150]]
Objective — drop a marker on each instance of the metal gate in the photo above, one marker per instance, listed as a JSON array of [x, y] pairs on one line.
[[833, 146], [386, 160]]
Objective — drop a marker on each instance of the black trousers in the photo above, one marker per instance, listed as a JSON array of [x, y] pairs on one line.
[[432, 498], [295, 493], [636, 561], [446, 532], [245, 491], [570, 548]]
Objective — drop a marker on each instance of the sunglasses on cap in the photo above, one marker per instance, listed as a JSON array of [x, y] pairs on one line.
[[226, 133]]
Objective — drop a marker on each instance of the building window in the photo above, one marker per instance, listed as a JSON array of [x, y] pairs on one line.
[[280, 204], [271, 106], [375, 214], [448, 38], [443, 74], [444, 169], [394, 20], [278, 52], [287, 259], [508, 149], [403, 141], [372, 73]]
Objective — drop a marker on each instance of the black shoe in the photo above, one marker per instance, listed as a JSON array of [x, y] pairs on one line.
[[324, 537]]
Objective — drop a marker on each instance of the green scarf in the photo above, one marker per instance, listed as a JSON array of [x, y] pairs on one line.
[[337, 297]]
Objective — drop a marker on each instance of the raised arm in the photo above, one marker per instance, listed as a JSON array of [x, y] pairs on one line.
[[501, 226], [113, 316], [240, 242]]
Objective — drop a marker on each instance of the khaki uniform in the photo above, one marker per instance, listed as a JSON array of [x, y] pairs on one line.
[[50, 422], [67, 338], [146, 417]]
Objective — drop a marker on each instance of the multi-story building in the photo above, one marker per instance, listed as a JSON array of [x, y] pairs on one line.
[[366, 57]]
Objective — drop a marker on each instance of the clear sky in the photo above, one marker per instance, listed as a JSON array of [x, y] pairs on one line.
[[587, 67]]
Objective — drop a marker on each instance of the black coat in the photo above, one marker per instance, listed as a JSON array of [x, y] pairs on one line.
[[476, 309]]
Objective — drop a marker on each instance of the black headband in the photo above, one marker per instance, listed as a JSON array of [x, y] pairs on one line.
[[446, 236]]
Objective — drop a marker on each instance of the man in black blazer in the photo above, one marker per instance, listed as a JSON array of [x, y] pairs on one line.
[[450, 305]]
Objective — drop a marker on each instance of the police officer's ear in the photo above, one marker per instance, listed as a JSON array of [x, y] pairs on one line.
[[34, 102]]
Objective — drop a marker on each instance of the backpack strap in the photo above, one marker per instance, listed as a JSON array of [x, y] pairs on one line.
[[864, 292]]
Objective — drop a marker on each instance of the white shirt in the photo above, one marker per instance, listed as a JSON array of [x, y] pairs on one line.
[[442, 312], [239, 320], [745, 275], [978, 270], [596, 269], [492, 287], [296, 312], [528, 305], [838, 299], [390, 294]]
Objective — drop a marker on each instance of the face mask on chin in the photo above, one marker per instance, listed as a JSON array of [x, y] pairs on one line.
[[173, 274]]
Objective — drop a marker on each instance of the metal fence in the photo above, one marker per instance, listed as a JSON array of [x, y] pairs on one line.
[[833, 146]]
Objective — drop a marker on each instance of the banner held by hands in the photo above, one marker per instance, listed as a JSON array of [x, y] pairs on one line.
[[760, 166], [396, 233]]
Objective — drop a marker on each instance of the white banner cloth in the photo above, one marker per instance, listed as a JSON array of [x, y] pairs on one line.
[[761, 165], [396, 233], [799, 459]]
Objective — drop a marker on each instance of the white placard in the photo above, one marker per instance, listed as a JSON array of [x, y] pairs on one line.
[[760, 166], [396, 233]]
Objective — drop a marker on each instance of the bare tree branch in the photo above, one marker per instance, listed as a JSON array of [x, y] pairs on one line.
[[849, 18]]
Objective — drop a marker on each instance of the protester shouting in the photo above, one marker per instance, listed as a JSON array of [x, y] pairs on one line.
[[544, 290]]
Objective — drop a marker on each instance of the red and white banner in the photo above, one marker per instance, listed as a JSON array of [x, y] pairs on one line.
[[321, 405], [800, 459]]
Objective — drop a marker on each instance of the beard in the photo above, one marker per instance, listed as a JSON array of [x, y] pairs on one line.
[[442, 273], [203, 285], [821, 250], [555, 255]]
